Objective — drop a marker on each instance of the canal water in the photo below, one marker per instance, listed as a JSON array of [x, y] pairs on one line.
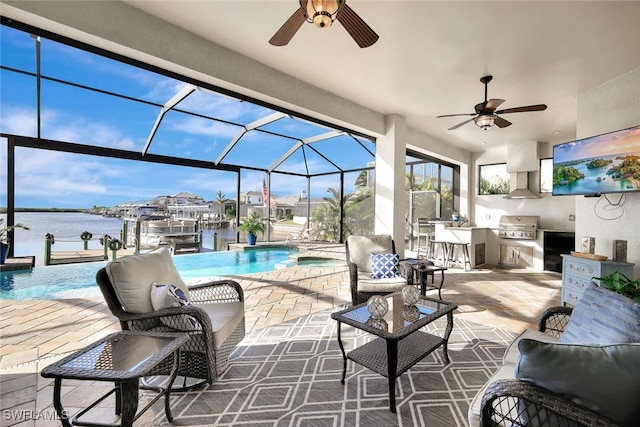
[[67, 227]]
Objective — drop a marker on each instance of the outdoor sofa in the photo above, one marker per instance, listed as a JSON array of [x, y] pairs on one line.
[[581, 368]]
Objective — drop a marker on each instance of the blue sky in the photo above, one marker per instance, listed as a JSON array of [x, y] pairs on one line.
[[55, 179]]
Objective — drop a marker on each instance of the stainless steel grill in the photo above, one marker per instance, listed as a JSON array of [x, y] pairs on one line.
[[518, 227]]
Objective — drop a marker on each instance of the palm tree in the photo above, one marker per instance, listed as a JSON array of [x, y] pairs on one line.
[[221, 199], [429, 183], [357, 212], [362, 181], [327, 215]]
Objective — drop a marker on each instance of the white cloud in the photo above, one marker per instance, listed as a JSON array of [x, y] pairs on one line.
[[199, 126], [18, 120]]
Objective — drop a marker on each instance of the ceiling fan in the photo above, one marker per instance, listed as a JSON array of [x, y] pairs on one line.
[[322, 13], [486, 113]]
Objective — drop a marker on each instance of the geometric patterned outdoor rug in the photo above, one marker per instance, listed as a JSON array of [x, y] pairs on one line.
[[289, 375]]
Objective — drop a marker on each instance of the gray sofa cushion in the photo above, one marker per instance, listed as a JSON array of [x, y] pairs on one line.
[[605, 379], [512, 353], [506, 371], [603, 317]]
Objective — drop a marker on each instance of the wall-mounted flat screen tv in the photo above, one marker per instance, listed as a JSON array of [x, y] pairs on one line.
[[607, 163]]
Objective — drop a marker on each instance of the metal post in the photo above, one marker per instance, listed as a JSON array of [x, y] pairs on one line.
[[215, 241]]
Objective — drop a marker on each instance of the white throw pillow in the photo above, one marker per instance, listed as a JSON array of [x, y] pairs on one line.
[[169, 296]]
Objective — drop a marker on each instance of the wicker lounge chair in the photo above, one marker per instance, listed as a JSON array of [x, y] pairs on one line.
[[214, 319], [359, 251]]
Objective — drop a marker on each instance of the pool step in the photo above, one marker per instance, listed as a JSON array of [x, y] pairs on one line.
[[284, 264]]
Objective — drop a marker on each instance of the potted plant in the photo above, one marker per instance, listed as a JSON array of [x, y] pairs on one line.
[[253, 224], [621, 284], [4, 238]]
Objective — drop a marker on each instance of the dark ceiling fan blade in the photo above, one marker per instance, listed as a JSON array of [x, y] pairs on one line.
[[456, 115], [492, 104], [538, 107], [479, 107], [461, 124], [289, 28], [501, 123], [356, 27]]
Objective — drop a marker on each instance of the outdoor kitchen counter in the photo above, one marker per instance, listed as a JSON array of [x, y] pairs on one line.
[[475, 237]]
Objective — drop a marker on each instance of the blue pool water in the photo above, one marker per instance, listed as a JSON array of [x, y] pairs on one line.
[[78, 280]]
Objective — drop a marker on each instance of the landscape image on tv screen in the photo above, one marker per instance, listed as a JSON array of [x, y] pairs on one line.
[[608, 163]]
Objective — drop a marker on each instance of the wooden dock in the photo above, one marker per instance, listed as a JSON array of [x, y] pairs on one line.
[[19, 263], [72, 257], [90, 255]]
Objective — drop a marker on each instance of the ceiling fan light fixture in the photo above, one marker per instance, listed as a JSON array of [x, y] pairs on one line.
[[485, 121], [323, 12]]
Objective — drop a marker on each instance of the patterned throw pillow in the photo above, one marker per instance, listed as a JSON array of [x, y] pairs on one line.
[[167, 296], [384, 266], [603, 317]]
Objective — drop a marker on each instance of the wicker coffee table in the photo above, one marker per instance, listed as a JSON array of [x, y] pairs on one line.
[[400, 343], [122, 358]]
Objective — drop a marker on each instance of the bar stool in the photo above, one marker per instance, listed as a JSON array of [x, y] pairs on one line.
[[424, 230], [433, 247], [464, 248]]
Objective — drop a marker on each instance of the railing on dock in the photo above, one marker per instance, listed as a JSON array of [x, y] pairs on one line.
[[85, 255]]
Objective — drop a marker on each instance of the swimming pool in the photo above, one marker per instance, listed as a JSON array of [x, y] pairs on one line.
[[78, 280]]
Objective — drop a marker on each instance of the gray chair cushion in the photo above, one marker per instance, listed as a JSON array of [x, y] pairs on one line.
[[225, 318], [368, 284], [132, 277], [361, 248], [603, 317], [605, 379]]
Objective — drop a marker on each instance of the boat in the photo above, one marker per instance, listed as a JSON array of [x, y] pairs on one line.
[[152, 231]]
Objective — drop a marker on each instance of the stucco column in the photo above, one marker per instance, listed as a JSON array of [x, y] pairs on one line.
[[390, 176]]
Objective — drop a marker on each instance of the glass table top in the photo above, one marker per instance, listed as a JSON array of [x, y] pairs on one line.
[[399, 315], [120, 353]]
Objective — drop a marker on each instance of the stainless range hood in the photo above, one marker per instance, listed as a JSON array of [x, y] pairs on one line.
[[521, 158], [521, 190]]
